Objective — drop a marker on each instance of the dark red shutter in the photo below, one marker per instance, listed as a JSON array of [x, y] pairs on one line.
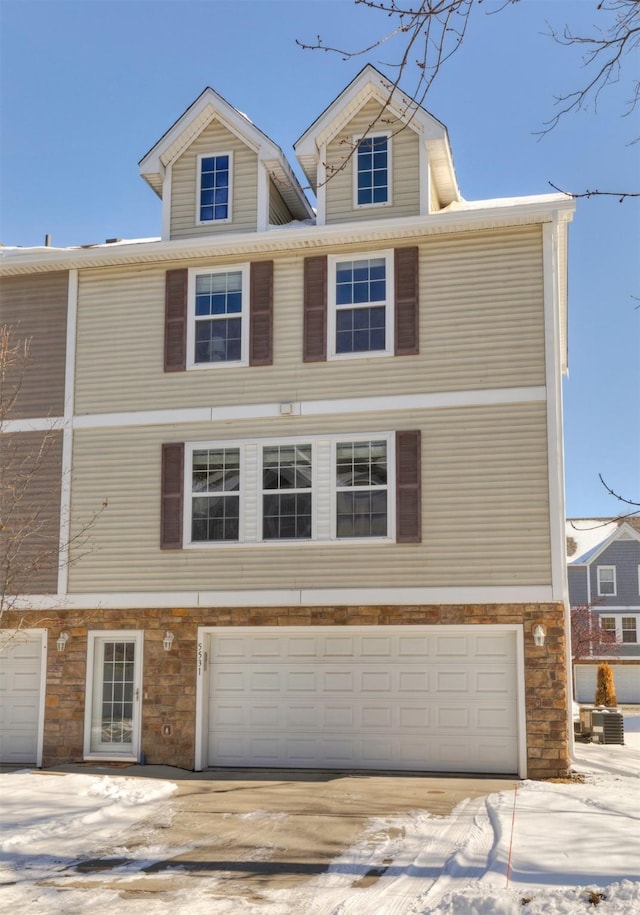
[[261, 314], [315, 309], [175, 321], [172, 496], [406, 302], [408, 489]]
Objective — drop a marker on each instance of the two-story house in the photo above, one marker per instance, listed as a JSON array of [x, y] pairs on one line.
[[603, 557], [295, 449]]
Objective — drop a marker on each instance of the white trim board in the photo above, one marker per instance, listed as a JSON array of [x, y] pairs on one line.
[[305, 597]]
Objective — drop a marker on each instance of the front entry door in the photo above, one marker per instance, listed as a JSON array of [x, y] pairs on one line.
[[112, 724]]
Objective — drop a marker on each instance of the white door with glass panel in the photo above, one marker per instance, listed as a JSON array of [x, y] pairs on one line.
[[112, 718]]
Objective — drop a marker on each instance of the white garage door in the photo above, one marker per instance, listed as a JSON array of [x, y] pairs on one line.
[[626, 678], [20, 680], [428, 699]]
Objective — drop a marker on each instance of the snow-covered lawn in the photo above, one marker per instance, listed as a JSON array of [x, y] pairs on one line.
[[572, 846]]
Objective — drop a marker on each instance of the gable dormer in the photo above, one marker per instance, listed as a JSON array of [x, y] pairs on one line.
[[375, 153], [216, 172]]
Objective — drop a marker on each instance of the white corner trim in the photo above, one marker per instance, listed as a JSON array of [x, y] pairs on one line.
[[424, 178], [67, 435], [555, 449], [262, 221], [166, 202], [321, 187]]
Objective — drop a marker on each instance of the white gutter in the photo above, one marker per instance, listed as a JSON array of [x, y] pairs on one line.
[[521, 211]]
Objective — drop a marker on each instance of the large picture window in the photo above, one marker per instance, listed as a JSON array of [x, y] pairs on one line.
[[317, 489], [214, 188]]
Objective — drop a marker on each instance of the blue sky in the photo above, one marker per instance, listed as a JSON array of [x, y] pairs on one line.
[[88, 87]]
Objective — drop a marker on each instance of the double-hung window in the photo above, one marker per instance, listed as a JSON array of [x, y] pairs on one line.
[[629, 630], [361, 296], [215, 495], [218, 316], [287, 477], [214, 188], [606, 581], [373, 170], [361, 488]]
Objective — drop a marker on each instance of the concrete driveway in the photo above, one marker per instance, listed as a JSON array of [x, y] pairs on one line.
[[256, 830]]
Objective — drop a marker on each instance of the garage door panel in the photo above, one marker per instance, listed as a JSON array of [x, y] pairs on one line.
[[20, 686], [421, 700]]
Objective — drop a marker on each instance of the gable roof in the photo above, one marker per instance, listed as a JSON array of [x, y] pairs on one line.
[[371, 84], [588, 538], [211, 106]]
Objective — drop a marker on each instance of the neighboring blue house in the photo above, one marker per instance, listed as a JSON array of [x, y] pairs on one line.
[[603, 560]]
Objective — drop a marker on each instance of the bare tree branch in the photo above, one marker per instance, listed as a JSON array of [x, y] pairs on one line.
[[621, 195], [435, 29], [603, 56]]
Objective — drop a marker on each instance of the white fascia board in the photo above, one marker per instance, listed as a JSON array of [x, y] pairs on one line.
[[306, 597], [506, 212]]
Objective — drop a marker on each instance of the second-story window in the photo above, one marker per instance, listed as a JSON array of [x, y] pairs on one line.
[[361, 320], [372, 171], [214, 188], [606, 581], [287, 492], [218, 316], [215, 495], [361, 489]]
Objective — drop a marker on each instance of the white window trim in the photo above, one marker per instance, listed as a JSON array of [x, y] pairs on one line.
[[598, 582], [323, 491], [389, 304], [617, 618], [390, 487], [191, 316], [371, 136], [215, 155]]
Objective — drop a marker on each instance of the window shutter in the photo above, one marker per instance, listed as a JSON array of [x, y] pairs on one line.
[[408, 489], [175, 321], [172, 496], [315, 309], [406, 296], [261, 314]]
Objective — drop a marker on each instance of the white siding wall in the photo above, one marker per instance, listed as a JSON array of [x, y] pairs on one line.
[[485, 509], [214, 139], [481, 326]]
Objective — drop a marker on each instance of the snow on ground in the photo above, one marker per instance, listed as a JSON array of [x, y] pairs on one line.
[[543, 847]]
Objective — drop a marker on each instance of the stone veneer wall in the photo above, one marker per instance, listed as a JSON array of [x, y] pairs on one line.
[[169, 680]]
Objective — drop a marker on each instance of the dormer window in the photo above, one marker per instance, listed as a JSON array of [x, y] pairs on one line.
[[373, 170], [214, 188]]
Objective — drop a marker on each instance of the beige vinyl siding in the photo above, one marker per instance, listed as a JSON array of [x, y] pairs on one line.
[[279, 213], [35, 308], [481, 326], [405, 163], [184, 182], [31, 465], [485, 509]]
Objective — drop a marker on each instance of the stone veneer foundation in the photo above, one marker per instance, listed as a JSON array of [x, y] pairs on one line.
[[169, 680]]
